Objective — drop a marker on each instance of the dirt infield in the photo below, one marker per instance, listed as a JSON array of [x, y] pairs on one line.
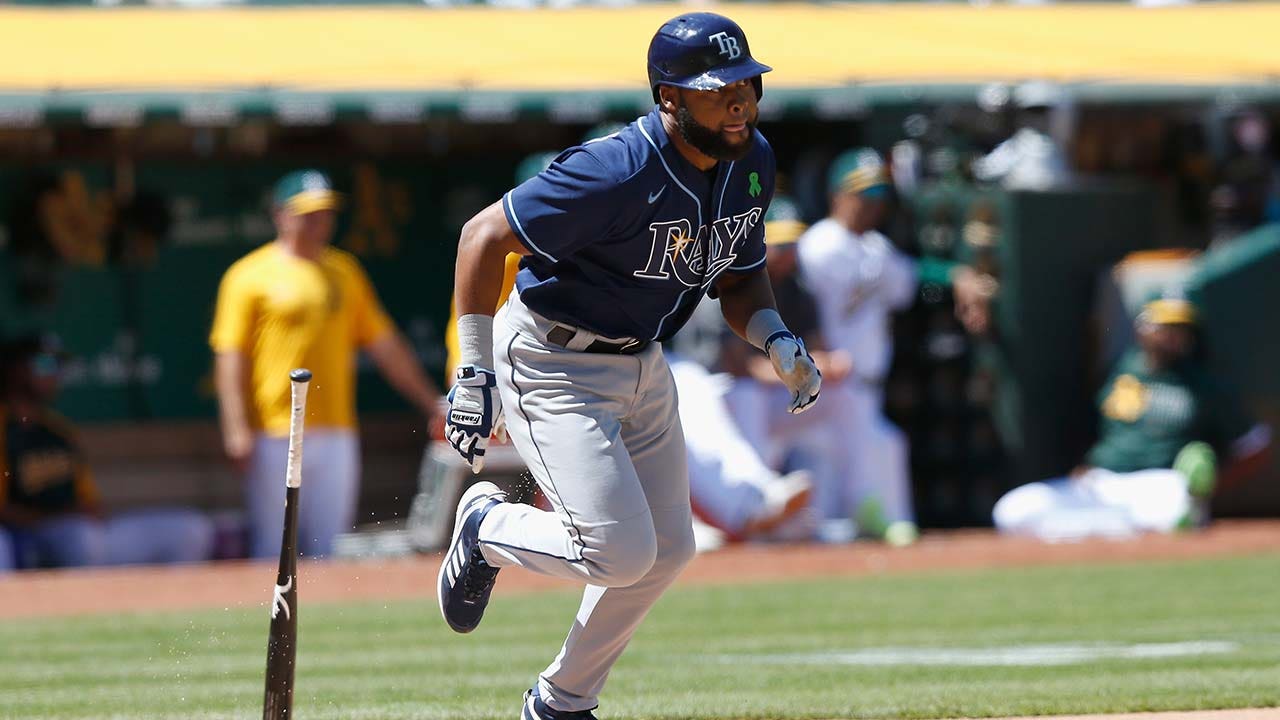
[[247, 584]]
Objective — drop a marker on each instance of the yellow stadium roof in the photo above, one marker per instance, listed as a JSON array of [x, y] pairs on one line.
[[481, 48]]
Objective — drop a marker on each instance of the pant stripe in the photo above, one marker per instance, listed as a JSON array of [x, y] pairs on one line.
[[550, 482]]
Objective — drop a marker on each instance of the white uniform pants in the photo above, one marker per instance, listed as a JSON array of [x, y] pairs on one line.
[[1098, 503], [727, 476], [327, 502], [602, 436]]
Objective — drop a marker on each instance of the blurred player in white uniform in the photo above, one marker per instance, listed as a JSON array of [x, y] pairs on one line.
[[1031, 159], [858, 280]]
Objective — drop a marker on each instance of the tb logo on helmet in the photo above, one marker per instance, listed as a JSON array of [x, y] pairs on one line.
[[728, 44]]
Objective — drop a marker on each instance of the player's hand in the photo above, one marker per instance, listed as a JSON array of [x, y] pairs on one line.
[[237, 443], [835, 365], [475, 413], [795, 367], [973, 292]]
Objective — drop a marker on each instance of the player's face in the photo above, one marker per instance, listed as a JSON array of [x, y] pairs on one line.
[[719, 123], [1166, 344], [312, 229], [868, 211]]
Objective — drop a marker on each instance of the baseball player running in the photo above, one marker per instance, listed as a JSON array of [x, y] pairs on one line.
[[621, 238]]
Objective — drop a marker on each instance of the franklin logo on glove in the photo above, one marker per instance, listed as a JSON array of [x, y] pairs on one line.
[[475, 413]]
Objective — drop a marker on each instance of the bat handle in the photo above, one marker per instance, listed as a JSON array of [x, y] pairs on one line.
[[299, 379]]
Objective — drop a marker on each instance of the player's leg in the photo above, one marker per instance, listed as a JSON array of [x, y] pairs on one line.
[[727, 478], [1019, 510], [750, 405], [330, 489], [1061, 509], [70, 541], [264, 494], [608, 617], [881, 486], [816, 441], [160, 535], [8, 556], [1155, 500], [568, 432]]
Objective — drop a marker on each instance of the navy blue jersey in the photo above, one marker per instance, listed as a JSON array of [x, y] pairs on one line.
[[626, 236]]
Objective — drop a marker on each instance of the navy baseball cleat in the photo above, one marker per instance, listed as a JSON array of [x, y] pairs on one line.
[[465, 578], [535, 709]]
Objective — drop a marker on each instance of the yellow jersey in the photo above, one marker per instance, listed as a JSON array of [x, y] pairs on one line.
[[282, 312]]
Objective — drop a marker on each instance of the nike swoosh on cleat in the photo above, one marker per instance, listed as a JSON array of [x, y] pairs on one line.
[[653, 197]]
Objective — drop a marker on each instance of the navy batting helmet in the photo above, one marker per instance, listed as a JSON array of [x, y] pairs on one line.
[[702, 51]]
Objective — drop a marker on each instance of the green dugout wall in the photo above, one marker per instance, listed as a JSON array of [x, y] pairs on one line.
[[138, 333]]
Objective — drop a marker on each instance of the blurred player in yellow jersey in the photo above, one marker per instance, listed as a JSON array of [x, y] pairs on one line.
[[298, 302]]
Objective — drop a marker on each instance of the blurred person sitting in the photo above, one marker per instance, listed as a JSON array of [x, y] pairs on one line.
[[50, 513], [299, 302], [730, 486], [1030, 159], [1166, 421]]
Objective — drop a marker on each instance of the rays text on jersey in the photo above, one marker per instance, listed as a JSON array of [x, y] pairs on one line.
[[696, 259]]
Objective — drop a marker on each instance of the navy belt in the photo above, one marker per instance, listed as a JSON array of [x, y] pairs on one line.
[[562, 335]]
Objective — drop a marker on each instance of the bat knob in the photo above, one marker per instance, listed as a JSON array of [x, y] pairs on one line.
[[300, 375]]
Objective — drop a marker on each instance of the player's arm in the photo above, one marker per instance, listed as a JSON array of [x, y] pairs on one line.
[[746, 300], [486, 241], [231, 377], [742, 295], [475, 408], [233, 319]]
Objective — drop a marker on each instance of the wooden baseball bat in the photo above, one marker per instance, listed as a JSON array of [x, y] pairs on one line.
[[282, 642]]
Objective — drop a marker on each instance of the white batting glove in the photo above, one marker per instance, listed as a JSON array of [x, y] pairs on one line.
[[475, 413], [795, 367]]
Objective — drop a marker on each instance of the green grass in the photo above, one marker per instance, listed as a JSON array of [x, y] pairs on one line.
[[697, 656]]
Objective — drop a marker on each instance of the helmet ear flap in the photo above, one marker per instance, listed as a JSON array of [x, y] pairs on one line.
[[757, 82]]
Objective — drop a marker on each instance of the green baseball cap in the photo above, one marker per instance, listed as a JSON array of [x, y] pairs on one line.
[[782, 224], [860, 171], [305, 191]]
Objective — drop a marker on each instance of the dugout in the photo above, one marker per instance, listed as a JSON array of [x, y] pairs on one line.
[[152, 167]]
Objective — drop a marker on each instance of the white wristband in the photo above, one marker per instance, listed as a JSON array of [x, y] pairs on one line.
[[475, 340], [763, 323]]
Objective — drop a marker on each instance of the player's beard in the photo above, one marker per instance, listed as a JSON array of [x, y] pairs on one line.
[[711, 142]]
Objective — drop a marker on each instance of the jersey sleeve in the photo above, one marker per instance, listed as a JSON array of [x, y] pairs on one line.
[[233, 314], [901, 278], [371, 320], [829, 283], [751, 255], [565, 207]]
